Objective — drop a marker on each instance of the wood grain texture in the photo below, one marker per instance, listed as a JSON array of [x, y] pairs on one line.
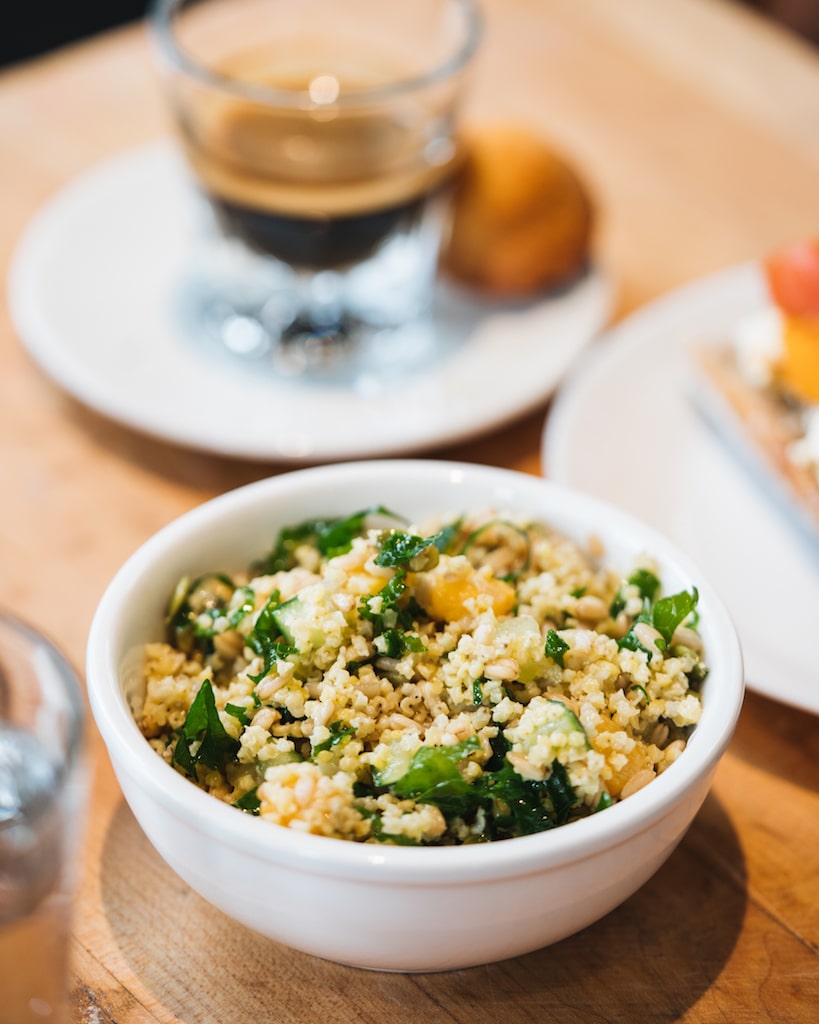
[[697, 125]]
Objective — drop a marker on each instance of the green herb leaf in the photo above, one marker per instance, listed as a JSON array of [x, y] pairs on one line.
[[418, 554], [203, 725], [331, 537], [500, 746], [631, 643], [265, 638], [400, 549], [337, 536], [646, 582], [604, 802], [394, 643], [670, 612], [390, 614], [556, 647], [339, 731], [520, 807], [513, 806], [648, 585], [642, 689], [282, 557], [433, 778], [249, 803], [444, 538], [238, 712], [378, 832]]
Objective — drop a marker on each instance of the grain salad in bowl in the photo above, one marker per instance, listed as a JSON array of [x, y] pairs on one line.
[[475, 679], [474, 708]]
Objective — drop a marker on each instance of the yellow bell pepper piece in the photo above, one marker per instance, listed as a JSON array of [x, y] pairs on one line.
[[799, 369], [445, 596]]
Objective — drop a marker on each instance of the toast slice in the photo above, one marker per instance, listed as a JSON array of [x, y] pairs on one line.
[[762, 424]]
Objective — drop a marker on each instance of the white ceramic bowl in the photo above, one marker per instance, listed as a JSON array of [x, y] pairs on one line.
[[394, 907]]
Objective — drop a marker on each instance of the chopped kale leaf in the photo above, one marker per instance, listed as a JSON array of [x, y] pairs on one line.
[[390, 614], [378, 833], [249, 803], [337, 537], [632, 643], [238, 712], [394, 643], [433, 777], [521, 807], [647, 584], [331, 537], [339, 731], [604, 802], [202, 738], [265, 639], [512, 805]]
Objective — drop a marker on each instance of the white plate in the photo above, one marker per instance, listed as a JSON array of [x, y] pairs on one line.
[[97, 292], [627, 428]]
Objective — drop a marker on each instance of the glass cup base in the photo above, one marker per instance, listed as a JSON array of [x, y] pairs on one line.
[[322, 323], [344, 352]]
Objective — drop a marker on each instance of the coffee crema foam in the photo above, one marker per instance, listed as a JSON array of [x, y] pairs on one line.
[[327, 161]]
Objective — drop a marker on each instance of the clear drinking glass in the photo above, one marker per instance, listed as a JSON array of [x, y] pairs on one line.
[[42, 799], [323, 136]]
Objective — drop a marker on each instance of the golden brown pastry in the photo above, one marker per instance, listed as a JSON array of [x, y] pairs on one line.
[[522, 217]]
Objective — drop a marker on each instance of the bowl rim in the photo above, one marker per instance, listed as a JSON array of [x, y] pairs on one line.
[[133, 757]]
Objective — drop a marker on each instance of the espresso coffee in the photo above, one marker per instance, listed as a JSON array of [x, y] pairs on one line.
[[317, 241], [319, 185]]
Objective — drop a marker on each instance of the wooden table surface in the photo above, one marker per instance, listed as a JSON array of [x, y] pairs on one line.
[[697, 125]]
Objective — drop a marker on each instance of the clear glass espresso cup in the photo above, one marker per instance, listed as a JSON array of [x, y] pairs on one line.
[[43, 788], [322, 134]]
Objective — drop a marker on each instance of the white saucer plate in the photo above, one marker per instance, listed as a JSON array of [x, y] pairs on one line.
[[96, 293], [627, 427]]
